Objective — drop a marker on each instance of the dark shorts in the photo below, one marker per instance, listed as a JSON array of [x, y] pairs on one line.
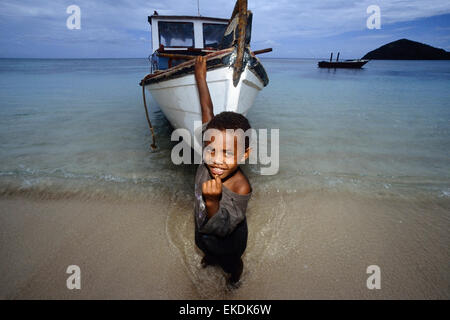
[[225, 251]]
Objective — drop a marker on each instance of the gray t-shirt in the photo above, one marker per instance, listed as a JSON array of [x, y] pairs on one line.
[[231, 211]]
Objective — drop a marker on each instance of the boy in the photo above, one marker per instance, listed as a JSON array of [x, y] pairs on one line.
[[222, 190]]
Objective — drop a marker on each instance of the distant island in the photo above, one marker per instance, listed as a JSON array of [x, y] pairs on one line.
[[405, 49]]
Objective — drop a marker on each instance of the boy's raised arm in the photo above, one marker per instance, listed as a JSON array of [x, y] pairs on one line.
[[203, 91]]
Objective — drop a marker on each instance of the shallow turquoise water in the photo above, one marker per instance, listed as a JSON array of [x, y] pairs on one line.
[[78, 126]]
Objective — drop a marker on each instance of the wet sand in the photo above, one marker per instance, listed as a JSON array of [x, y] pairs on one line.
[[314, 245]]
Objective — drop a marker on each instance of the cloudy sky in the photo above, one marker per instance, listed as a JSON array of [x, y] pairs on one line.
[[295, 28]]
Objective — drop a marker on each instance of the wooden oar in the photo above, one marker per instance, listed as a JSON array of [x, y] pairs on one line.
[[176, 56], [262, 51], [189, 57]]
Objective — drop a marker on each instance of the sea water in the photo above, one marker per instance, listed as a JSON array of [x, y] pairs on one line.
[[77, 128], [382, 128]]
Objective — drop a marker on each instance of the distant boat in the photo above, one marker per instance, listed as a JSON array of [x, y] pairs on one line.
[[234, 74], [352, 64]]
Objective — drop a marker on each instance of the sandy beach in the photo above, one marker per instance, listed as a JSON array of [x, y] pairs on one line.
[[314, 245]]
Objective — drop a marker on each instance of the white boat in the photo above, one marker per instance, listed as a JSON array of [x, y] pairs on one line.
[[234, 74]]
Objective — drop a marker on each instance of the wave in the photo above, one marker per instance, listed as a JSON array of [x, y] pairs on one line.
[[60, 183]]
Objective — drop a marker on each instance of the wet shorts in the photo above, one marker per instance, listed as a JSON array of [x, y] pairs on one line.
[[225, 251]]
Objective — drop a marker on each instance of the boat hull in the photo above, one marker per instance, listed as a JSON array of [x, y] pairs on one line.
[[179, 100], [343, 64]]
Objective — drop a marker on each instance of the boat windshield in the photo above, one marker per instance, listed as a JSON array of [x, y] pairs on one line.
[[176, 34], [212, 34]]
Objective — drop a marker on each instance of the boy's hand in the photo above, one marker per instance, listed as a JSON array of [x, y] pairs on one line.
[[200, 68], [203, 91], [212, 189]]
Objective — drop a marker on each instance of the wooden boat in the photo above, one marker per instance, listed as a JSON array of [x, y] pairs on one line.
[[353, 64], [234, 74]]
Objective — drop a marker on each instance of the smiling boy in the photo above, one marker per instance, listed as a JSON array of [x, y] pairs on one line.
[[222, 190]]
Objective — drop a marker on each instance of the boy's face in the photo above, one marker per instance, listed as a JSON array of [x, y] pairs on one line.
[[222, 153]]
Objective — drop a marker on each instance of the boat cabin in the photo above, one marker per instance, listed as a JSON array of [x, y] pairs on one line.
[[175, 38]]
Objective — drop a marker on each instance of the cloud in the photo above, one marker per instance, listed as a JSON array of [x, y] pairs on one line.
[[326, 18], [123, 23]]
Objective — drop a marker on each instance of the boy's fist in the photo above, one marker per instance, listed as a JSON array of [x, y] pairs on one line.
[[200, 68], [212, 189]]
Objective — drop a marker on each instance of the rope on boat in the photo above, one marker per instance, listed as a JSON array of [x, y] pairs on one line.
[[153, 145]]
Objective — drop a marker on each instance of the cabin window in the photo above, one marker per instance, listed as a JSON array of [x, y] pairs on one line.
[[212, 34], [176, 34]]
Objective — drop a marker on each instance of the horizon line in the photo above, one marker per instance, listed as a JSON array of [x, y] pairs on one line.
[[146, 58]]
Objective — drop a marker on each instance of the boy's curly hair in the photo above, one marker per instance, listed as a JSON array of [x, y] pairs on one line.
[[230, 120]]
